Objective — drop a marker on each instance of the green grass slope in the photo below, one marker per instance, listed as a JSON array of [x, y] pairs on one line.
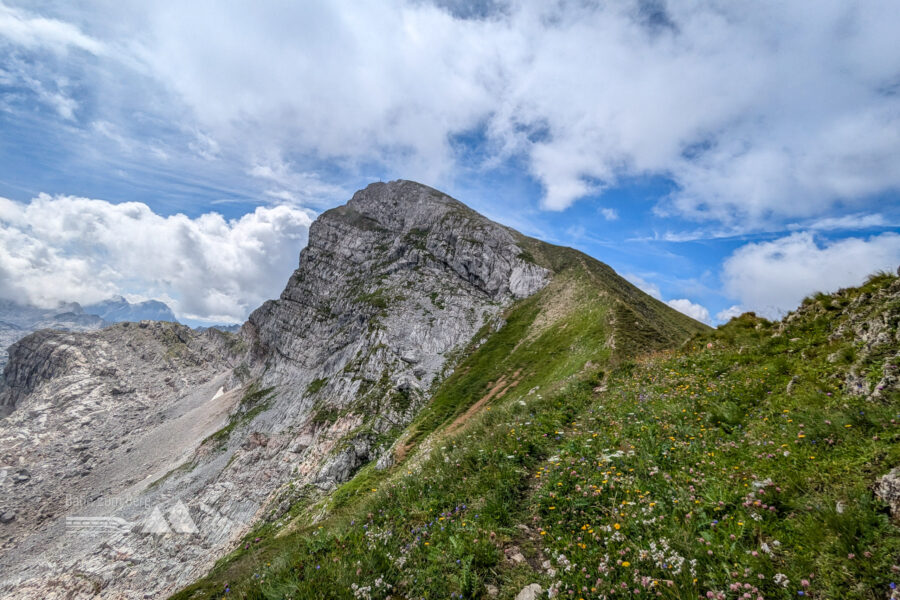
[[739, 465], [581, 326]]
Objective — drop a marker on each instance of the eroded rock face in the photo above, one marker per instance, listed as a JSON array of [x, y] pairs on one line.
[[18, 321], [887, 488], [876, 333], [389, 288]]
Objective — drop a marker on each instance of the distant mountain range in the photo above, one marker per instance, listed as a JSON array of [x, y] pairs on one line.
[[118, 309], [18, 320]]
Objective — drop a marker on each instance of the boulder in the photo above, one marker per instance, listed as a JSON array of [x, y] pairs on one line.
[[888, 489], [530, 592]]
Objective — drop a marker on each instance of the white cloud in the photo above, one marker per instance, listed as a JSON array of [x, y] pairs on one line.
[[723, 316], [767, 114], [296, 187], [691, 309], [683, 305], [63, 248], [33, 31], [771, 278], [610, 214], [844, 223], [642, 284]]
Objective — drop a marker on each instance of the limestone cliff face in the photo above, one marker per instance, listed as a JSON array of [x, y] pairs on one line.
[[388, 285], [209, 433]]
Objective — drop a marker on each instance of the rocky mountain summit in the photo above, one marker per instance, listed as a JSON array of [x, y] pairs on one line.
[[134, 457]]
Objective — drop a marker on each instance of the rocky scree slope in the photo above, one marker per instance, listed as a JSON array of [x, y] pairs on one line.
[[393, 292]]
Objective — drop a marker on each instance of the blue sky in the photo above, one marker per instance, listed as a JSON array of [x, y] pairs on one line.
[[722, 159]]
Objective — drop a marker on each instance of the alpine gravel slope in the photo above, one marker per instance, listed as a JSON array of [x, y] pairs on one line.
[[148, 458]]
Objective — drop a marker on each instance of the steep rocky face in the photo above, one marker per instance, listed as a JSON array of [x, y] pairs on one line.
[[179, 445], [388, 286]]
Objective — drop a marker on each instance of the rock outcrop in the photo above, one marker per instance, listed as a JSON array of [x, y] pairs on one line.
[[150, 449], [19, 320], [872, 323], [887, 488]]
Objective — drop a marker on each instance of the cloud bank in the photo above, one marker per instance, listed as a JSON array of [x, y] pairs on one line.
[[62, 249], [757, 115], [691, 309], [772, 278], [777, 118]]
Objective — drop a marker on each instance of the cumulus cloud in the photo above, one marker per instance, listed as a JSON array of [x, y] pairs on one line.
[[723, 316], [610, 214], [765, 114], [648, 287], [683, 305], [773, 277], [691, 309], [64, 248]]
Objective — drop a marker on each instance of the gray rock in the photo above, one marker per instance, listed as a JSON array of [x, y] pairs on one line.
[[887, 488], [388, 287], [530, 592], [19, 320], [7, 517]]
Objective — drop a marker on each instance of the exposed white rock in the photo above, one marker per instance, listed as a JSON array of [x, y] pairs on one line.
[[530, 592]]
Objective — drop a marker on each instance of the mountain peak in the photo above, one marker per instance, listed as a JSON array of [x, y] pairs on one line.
[[399, 194], [116, 309], [406, 310], [404, 205]]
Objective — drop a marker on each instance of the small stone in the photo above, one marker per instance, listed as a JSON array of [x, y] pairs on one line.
[[7, 517], [411, 356], [530, 592], [491, 590]]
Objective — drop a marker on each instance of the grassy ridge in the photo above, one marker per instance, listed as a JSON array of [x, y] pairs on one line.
[[736, 465], [543, 341]]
